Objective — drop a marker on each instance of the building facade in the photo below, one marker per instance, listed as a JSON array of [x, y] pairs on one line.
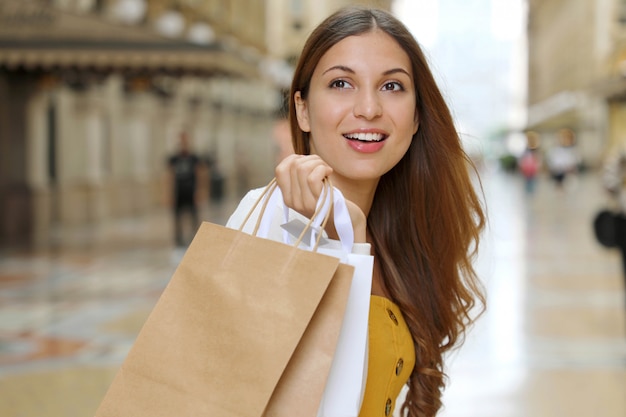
[[94, 93], [577, 72], [293, 20]]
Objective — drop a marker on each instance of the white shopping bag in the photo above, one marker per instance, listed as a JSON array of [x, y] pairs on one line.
[[348, 373], [346, 382], [344, 390]]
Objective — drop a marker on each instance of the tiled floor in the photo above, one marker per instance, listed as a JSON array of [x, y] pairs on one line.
[[552, 342]]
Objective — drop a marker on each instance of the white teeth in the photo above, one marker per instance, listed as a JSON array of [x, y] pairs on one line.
[[366, 137]]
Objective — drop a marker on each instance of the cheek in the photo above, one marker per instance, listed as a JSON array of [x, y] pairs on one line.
[[410, 123], [403, 149], [327, 111], [329, 103], [326, 117], [407, 135]]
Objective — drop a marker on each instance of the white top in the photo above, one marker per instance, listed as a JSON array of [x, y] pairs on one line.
[[562, 159]]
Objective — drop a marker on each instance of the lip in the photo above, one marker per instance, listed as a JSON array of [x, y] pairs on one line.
[[364, 146]]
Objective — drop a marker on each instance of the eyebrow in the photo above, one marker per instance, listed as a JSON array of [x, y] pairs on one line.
[[350, 70]]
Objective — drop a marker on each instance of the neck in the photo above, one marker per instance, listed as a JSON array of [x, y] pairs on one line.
[[360, 193]]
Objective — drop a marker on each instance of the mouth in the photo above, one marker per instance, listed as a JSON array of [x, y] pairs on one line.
[[366, 137]]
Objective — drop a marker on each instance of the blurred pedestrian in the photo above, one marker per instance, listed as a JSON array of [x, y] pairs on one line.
[[614, 179], [530, 162], [563, 159], [184, 173]]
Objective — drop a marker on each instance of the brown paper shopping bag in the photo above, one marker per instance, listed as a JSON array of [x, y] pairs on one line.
[[246, 327]]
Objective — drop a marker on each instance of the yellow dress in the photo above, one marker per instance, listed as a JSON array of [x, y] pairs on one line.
[[391, 358]]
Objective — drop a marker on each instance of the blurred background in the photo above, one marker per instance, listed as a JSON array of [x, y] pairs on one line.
[[123, 123]]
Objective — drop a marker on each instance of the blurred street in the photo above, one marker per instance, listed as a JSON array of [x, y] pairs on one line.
[[552, 342]]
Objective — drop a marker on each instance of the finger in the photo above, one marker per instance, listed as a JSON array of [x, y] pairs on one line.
[[317, 176], [311, 173], [295, 198], [283, 174], [282, 170], [289, 178], [300, 178]]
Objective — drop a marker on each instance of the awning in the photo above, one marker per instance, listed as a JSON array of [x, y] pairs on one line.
[[35, 57], [35, 36]]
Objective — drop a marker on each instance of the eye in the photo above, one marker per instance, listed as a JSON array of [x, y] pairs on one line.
[[340, 84], [393, 86]]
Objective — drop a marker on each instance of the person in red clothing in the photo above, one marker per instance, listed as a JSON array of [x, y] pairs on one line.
[[530, 162]]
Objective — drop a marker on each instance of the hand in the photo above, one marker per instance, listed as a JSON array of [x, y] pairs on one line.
[[300, 178]]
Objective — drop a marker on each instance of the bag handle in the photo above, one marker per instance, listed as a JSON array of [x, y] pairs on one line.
[[268, 190], [270, 194], [341, 217], [335, 204]]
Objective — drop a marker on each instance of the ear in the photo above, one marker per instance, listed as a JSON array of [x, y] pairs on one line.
[[302, 112], [416, 122]]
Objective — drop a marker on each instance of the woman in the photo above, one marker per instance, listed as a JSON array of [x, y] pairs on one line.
[[366, 112]]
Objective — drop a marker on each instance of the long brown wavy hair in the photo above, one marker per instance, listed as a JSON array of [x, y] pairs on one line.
[[426, 216]]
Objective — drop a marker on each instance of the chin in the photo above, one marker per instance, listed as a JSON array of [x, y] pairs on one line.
[[361, 175]]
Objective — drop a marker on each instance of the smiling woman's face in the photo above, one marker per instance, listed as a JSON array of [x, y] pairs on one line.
[[360, 109]]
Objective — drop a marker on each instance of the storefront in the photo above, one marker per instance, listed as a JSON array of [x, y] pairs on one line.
[[90, 110]]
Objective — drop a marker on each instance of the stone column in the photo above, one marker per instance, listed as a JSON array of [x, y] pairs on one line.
[[38, 169], [16, 202]]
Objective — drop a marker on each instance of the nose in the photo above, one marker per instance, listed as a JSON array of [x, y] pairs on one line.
[[368, 105]]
